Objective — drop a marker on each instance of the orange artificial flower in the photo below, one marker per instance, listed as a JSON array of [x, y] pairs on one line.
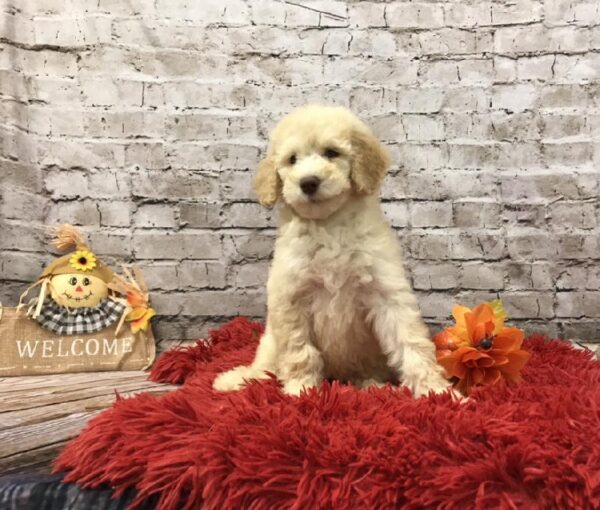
[[479, 349]]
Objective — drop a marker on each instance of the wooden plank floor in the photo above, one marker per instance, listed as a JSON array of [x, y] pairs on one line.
[[39, 414]]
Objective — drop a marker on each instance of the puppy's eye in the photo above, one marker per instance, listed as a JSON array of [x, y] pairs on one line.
[[292, 159], [331, 153]]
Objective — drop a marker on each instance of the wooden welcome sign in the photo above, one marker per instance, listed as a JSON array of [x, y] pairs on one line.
[[26, 348]]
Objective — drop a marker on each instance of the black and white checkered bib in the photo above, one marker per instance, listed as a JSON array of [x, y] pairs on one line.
[[72, 321]]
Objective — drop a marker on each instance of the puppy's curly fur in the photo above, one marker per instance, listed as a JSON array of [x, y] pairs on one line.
[[339, 304]]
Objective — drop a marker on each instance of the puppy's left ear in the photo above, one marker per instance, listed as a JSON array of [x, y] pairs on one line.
[[266, 183], [370, 161]]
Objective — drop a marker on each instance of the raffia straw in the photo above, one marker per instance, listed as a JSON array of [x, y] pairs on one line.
[[66, 237], [42, 295]]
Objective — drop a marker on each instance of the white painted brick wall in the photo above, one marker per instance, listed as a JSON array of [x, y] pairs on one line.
[[142, 122]]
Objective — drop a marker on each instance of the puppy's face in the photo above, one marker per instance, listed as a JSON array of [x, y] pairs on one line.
[[318, 157]]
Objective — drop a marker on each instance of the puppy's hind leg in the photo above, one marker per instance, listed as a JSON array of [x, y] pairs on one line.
[[264, 361]]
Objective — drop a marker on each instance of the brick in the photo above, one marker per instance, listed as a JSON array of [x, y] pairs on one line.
[[72, 32], [196, 274], [243, 214], [128, 124], [214, 302], [542, 186], [439, 185], [487, 276], [160, 276], [573, 215], [388, 127], [419, 156], [289, 15], [106, 92], [563, 12], [179, 245], [114, 213], [236, 185], [211, 157], [420, 100], [155, 215], [19, 175], [253, 274], [555, 126], [438, 276], [367, 14], [200, 214], [245, 246], [466, 99], [210, 11], [21, 205], [526, 305], [423, 128], [396, 213], [535, 68], [538, 38], [557, 153], [22, 236], [526, 275], [563, 96], [414, 15], [175, 184], [24, 267], [372, 43], [372, 100], [431, 214], [433, 304], [77, 212], [530, 244], [514, 98], [452, 41], [520, 11], [505, 70], [69, 154], [571, 277], [463, 15], [577, 246], [576, 68], [477, 214]]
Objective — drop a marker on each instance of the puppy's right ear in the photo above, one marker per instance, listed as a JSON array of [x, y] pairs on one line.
[[267, 184]]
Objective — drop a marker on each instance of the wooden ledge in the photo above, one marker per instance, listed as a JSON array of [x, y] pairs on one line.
[[39, 414]]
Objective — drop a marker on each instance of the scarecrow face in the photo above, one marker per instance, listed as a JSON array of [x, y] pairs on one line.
[[76, 290]]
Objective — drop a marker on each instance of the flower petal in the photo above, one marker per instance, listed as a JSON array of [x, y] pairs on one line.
[[508, 339], [492, 376]]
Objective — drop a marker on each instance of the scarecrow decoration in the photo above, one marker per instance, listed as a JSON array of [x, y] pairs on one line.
[[479, 349], [79, 294]]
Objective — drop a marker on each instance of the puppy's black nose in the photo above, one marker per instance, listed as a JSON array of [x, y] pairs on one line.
[[310, 185]]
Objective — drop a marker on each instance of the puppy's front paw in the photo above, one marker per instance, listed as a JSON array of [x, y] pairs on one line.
[[296, 386], [435, 382], [237, 377]]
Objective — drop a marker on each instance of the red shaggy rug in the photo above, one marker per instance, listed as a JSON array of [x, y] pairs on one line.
[[531, 446]]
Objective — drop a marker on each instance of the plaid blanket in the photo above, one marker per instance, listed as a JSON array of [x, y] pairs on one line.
[[72, 321]]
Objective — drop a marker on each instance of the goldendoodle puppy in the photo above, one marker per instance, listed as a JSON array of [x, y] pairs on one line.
[[339, 304]]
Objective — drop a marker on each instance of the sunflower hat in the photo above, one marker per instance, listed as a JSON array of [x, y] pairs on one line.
[[80, 263], [81, 260]]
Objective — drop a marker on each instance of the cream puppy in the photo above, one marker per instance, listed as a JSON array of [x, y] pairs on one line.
[[339, 304]]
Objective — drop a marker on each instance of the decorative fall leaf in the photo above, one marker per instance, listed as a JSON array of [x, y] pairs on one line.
[[139, 319]]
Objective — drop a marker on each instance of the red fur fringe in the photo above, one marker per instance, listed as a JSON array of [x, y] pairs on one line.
[[535, 445]]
